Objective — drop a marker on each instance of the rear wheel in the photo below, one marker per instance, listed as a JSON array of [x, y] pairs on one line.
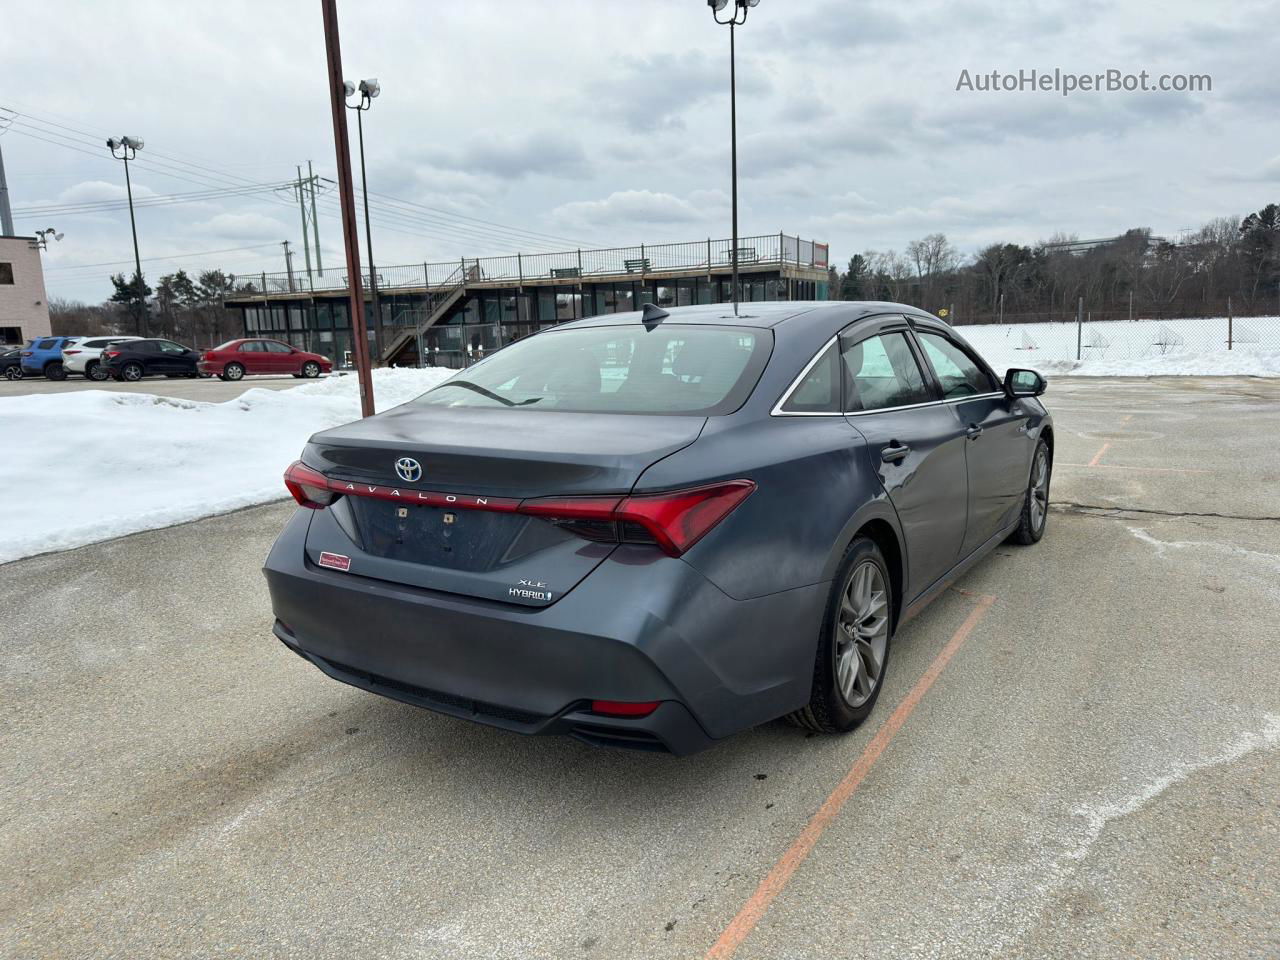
[[1035, 507], [853, 648], [311, 369], [132, 372], [96, 372], [55, 370], [233, 371], [13, 373]]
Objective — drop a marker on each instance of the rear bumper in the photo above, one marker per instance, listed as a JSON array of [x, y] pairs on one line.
[[638, 628], [209, 368]]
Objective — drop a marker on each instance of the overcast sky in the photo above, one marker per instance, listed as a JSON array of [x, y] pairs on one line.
[[605, 122]]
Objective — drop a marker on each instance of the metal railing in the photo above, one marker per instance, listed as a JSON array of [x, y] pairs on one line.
[[572, 265]]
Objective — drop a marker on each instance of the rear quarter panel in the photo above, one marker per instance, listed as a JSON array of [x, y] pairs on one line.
[[815, 487]]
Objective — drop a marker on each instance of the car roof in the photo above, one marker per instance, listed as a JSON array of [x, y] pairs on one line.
[[753, 314]]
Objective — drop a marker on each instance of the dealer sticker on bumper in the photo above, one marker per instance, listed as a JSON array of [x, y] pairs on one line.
[[335, 561]]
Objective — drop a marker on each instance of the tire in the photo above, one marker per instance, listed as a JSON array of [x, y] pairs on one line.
[[55, 370], [1035, 505], [233, 371], [132, 372], [846, 677], [96, 372], [310, 370], [13, 373]]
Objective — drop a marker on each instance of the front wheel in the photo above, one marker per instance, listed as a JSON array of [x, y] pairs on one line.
[[132, 372], [311, 370], [1035, 506], [853, 647]]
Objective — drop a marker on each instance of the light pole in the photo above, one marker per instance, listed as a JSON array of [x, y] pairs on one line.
[[740, 8], [128, 148], [45, 236], [368, 89]]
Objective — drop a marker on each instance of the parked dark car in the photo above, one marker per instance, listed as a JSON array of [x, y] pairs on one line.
[[655, 530], [11, 364], [135, 359]]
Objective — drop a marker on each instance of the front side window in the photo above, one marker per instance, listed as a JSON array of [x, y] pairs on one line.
[[168, 346], [819, 391], [671, 369], [273, 347], [882, 372], [959, 375]]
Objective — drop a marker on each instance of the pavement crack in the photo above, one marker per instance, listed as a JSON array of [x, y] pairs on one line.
[[1111, 510]]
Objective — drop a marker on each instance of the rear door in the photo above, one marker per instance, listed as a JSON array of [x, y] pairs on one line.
[[998, 453], [252, 355], [915, 441]]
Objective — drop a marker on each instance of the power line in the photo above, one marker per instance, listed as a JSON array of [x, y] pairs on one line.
[[176, 256], [93, 206]]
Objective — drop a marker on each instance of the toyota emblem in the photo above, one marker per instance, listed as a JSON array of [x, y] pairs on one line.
[[408, 469]]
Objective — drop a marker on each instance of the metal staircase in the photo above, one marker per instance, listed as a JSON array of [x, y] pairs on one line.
[[440, 300]]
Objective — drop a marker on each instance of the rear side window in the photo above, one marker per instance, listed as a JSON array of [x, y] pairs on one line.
[[819, 390], [96, 344], [882, 372], [958, 373], [253, 346], [671, 369], [45, 344]]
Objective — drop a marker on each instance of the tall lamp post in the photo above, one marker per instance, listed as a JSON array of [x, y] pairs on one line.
[[368, 89], [126, 149], [739, 17]]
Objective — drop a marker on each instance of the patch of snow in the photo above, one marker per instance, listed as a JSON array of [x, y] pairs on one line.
[[92, 465], [1143, 348]]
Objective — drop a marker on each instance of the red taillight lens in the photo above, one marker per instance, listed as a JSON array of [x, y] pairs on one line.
[[111, 353], [309, 487], [69, 353], [623, 708], [27, 353], [675, 521]]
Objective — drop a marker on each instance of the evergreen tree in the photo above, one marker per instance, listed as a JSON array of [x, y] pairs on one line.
[[132, 295]]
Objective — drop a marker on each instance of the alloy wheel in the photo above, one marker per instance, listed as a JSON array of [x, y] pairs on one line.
[[1039, 490], [13, 373], [97, 373], [862, 633], [132, 372]]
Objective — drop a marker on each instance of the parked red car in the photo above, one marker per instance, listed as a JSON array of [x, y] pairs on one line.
[[237, 359]]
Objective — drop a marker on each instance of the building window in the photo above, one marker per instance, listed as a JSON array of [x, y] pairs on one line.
[[6, 274]]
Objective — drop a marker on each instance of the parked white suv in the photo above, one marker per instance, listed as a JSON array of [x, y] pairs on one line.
[[83, 357]]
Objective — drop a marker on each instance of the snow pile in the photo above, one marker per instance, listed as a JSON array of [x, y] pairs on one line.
[[91, 465], [1144, 348]]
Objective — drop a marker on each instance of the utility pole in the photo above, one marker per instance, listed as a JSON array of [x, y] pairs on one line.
[[346, 200], [288, 263], [6, 214], [302, 210], [315, 223]]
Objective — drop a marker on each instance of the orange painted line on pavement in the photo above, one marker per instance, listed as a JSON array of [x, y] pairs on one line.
[[758, 903], [1122, 466], [1126, 418], [1098, 456]]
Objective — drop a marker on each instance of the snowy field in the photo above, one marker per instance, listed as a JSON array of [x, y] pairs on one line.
[[91, 465], [1144, 348]]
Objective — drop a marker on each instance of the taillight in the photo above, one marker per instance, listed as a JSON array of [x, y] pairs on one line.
[[27, 353], [111, 353], [309, 487], [675, 521], [69, 353]]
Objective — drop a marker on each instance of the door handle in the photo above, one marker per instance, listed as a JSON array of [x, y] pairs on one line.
[[894, 452], [973, 432]]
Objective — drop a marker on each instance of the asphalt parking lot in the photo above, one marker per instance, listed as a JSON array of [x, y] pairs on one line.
[[1077, 754]]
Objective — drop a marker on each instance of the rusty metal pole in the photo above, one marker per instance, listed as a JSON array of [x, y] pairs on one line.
[[346, 199]]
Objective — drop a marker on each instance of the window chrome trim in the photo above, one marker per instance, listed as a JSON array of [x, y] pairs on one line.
[[777, 410]]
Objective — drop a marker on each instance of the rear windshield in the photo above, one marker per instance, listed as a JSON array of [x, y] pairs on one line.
[[671, 369]]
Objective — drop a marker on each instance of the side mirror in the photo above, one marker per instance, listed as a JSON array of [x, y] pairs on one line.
[[1023, 383]]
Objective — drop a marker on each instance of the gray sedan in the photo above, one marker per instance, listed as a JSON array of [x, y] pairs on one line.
[[653, 530]]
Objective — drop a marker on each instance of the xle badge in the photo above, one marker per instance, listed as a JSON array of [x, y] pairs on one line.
[[335, 561]]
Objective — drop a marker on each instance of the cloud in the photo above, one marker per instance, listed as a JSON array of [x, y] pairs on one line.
[[92, 191], [244, 226], [542, 153], [625, 208]]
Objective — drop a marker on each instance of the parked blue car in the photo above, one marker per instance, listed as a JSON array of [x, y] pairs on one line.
[[43, 357]]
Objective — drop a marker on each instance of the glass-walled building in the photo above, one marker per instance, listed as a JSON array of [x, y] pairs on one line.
[[450, 318]]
